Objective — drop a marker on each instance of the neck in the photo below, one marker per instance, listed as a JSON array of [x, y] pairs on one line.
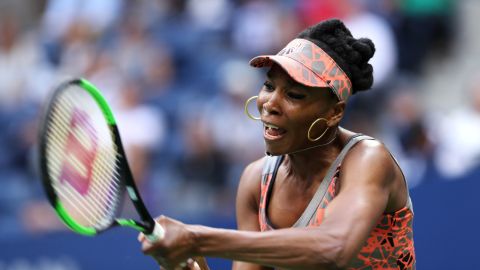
[[306, 163], [316, 146]]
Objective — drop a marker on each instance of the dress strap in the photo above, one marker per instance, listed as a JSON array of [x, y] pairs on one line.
[[270, 166], [312, 207]]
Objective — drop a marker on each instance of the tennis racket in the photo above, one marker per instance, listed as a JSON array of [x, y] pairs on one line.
[[83, 165]]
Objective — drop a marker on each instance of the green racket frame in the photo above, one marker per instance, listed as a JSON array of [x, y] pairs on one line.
[[147, 225]]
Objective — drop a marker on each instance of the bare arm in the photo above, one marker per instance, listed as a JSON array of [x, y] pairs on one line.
[[248, 197], [366, 179], [367, 176]]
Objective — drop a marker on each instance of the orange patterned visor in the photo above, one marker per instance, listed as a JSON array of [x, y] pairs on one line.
[[309, 65]]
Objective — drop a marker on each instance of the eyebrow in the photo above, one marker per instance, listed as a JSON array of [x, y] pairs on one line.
[[269, 74]]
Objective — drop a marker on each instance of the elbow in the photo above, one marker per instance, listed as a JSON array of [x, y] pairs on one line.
[[338, 260], [341, 261], [342, 257], [338, 255]]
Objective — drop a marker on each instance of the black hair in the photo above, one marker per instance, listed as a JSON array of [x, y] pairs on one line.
[[351, 54]]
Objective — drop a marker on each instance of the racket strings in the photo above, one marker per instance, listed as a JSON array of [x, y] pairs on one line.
[[82, 138], [99, 191], [102, 188], [89, 151], [93, 203], [89, 211], [101, 163]]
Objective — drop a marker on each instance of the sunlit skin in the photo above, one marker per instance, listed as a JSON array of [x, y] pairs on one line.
[[370, 184]]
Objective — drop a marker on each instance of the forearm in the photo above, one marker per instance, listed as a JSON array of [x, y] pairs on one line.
[[290, 248]]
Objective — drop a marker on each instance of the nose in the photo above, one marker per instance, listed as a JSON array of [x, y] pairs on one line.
[[271, 104]]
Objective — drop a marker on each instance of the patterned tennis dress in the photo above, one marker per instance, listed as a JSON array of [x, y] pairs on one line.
[[390, 244]]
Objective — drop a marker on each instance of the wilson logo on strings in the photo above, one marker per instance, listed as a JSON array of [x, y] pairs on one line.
[[81, 148]]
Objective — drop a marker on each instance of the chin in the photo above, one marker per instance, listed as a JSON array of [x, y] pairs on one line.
[[275, 150], [268, 153]]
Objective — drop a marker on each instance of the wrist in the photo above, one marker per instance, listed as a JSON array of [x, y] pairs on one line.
[[195, 233]]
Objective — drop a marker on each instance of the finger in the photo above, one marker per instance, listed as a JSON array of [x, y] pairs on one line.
[[146, 247], [201, 263], [182, 266], [158, 219], [191, 264], [195, 266], [141, 237]]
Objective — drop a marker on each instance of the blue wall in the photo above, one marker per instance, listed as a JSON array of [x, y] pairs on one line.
[[447, 214]]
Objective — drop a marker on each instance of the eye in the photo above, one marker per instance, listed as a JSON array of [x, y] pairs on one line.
[[268, 86], [295, 95]]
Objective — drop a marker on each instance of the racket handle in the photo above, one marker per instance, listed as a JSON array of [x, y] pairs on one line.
[[157, 234]]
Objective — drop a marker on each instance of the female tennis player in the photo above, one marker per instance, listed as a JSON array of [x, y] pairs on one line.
[[324, 197]]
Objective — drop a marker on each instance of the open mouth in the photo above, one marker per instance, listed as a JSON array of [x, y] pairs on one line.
[[272, 132]]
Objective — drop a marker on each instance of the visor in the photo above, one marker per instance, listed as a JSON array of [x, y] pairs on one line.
[[309, 65]]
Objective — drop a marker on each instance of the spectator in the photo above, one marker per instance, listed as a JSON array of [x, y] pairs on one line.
[[431, 24], [231, 130], [458, 147], [405, 131], [141, 127], [363, 22], [258, 19]]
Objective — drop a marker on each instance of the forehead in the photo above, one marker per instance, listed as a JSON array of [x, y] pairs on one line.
[[279, 75]]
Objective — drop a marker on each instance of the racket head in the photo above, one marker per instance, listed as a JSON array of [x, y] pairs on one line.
[[81, 158]]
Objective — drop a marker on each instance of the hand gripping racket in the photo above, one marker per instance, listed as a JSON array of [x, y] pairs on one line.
[[83, 164]]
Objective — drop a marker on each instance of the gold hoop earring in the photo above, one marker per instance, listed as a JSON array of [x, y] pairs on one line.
[[246, 108], [310, 129]]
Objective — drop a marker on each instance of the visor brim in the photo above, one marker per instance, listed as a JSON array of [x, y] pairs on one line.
[[299, 72]]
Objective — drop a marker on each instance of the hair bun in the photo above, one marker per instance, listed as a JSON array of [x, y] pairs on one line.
[[350, 53], [365, 47], [362, 77], [361, 70]]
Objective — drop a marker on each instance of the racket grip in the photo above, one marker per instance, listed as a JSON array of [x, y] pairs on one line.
[[157, 234]]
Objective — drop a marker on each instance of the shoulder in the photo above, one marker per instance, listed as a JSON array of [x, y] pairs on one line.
[[250, 181], [369, 169], [370, 160], [248, 196], [370, 148], [253, 169]]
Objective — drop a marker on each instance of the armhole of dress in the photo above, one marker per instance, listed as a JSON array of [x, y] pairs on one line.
[[270, 170], [408, 204], [270, 167]]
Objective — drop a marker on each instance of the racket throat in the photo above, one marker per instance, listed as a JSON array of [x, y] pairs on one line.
[[132, 224]]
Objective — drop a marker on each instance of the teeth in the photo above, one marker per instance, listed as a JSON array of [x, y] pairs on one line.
[[271, 126]]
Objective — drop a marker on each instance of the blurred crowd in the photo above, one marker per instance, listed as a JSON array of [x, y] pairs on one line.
[[176, 74]]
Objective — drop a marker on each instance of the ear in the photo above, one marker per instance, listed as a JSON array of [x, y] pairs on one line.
[[337, 113]]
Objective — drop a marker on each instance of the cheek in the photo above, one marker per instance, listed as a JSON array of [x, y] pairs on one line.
[[302, 120], [262, 99], [300, 126]]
